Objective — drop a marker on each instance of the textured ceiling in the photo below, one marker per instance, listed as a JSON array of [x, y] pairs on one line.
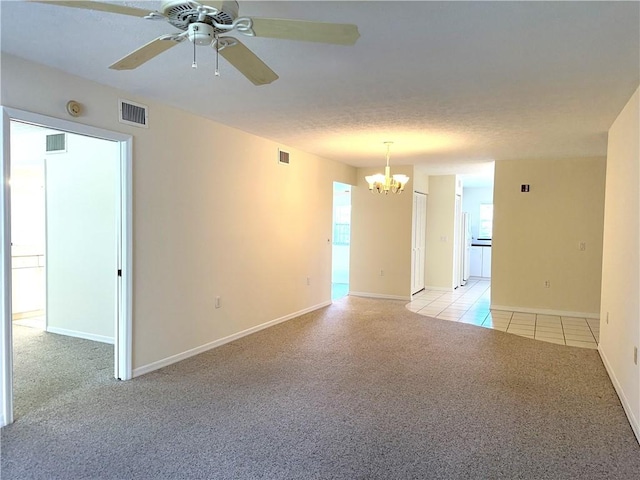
[[453, 84]]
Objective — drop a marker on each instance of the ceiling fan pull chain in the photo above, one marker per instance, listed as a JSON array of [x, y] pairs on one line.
[[195, 63], [217, 43]]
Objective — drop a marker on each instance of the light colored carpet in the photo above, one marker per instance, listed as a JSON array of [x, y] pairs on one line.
[[49, 366], [363, 389]]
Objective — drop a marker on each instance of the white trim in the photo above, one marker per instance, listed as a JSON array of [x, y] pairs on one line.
[[77, 334], [626, 406], [439, 289], [217, 343], [6, 359], [543, 311], [379, 295], [65, 125], [124, 325]]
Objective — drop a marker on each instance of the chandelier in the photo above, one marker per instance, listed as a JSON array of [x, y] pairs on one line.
[[387, 183]]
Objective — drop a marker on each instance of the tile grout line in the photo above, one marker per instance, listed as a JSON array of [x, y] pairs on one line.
[[591, 330], [563, 335]]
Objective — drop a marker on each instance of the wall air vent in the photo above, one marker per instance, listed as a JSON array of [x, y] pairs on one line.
[[133, 114], [56, 143], [283, 157]]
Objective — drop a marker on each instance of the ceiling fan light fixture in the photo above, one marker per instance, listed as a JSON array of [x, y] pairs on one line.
[[387, 183], [201, 33]]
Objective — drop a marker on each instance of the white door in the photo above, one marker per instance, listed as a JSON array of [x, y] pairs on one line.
[[419, 239]]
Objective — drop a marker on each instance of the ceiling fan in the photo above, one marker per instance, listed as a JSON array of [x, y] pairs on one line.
[[205, 22]]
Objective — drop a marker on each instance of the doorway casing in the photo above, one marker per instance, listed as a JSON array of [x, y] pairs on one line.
[[124, 290]]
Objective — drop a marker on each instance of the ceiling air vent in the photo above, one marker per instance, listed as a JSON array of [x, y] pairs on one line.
[[56, 143], [283, 157], [133, 114]]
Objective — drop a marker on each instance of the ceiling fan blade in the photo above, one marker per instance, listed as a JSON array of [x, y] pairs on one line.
[[144, 53], [100, 6], [336, 33], [248, 64]]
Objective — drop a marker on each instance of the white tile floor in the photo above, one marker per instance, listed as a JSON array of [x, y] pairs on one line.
[[38, 322], [470, 304]]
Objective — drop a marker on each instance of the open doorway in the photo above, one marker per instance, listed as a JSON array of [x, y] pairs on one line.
[[84, 175], [64, 203], [28, 239], [341, 240], [477, 203], [76, 259]]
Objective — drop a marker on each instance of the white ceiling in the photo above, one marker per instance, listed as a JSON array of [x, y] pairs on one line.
[[454, 84]]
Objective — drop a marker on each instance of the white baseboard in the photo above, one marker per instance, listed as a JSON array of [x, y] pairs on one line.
[[217, 343], [439, 289], [86, 336], [542, 311], [635, 425], [380, 295]]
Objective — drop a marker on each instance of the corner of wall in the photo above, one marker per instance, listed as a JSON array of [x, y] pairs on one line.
[[620, 303]]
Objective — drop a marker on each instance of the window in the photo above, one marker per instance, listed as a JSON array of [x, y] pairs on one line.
[[486, 220], [341, 234], [342, 227]]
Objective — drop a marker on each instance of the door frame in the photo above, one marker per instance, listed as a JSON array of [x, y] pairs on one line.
[[418, 242], [124, 290]]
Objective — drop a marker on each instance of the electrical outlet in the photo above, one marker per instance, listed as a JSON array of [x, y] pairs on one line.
[[217, 302], [582, 246], [547, 284], [382, 273], [308, 280], [607, 319], [635, 355]]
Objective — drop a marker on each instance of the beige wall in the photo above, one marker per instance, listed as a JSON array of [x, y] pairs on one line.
[[420, 182], [440, 231], [214, 215], [536, 235], [381, 227], [621, 259]]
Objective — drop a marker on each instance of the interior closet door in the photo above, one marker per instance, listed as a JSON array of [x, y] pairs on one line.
[[419, 242]]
